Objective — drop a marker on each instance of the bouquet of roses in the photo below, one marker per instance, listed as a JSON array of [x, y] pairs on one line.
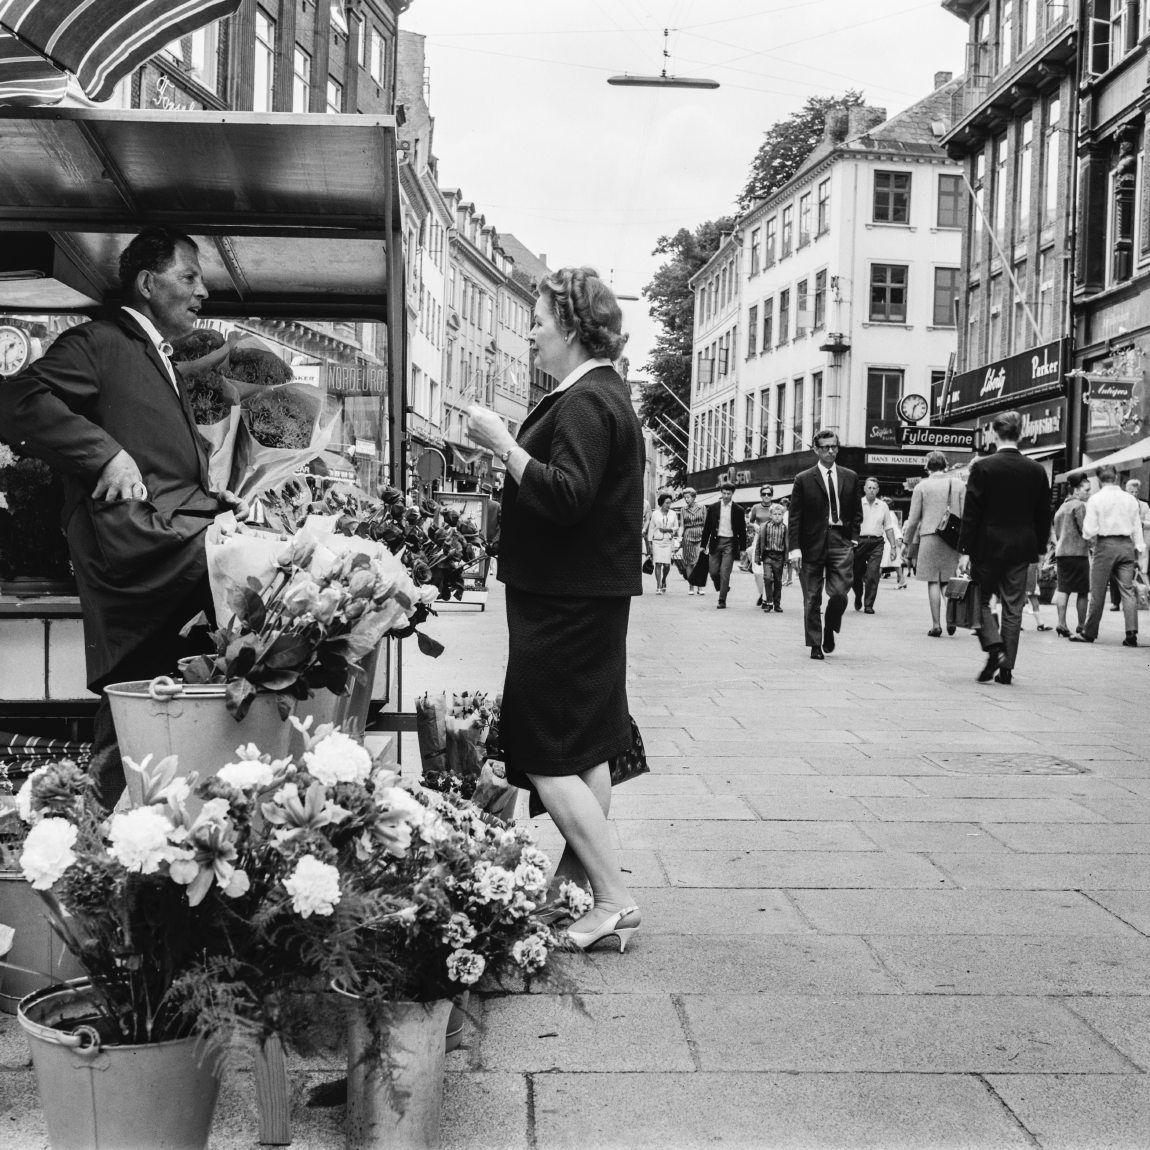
[[300, 615]]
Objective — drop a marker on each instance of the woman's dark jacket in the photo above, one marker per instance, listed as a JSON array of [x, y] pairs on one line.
[[572, 525]]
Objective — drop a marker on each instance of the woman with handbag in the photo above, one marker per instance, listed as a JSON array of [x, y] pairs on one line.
[[572, 514], [933, 526], [662, 533]]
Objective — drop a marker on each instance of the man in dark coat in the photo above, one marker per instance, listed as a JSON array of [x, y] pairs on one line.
[[724, 537], [104, 407], [825, 515], [1005, 526]]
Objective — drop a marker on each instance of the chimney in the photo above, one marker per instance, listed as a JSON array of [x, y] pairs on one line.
[[942, 78], [835, 125], [861, 118]]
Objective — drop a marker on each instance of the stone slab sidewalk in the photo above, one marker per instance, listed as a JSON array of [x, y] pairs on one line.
[[884, 906]]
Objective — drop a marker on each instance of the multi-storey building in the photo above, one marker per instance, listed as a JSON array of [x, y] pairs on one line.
[[1012, 127], [831, 300], [531, 269]]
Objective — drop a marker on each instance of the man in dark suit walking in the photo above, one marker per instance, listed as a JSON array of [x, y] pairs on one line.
[[1005, 525], [823, 530], [724, 537], [105, 407]]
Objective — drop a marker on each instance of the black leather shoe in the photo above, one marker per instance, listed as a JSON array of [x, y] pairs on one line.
[[868, 610], [1131, 639], [1079, 637], [720, 606], [993, 664], [759, 601], [1004, 676], [828, 639], [777, 607], [817, 653], [858, 604], [951, 630]]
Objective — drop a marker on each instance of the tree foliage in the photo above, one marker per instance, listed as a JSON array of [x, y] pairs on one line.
[[673, 308], [788, 143]]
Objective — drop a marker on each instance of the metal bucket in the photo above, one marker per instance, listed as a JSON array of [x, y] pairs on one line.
[[348, 711], [38, 958], [159, 1096], [405, 1112], [194, 725]]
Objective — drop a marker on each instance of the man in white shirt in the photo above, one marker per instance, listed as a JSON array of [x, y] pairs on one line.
[[1113, 526], [724, 537], [877, 524]]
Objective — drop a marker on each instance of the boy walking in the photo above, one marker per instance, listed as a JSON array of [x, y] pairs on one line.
[[771, 552]]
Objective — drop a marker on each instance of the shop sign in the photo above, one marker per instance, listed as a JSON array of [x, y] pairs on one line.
[[1119, 407], [365, 447], [994, 384], [1112, 389], [1043, 425], [882, 433], [159, 91], [894, 459], [957, 438], [355, 379]]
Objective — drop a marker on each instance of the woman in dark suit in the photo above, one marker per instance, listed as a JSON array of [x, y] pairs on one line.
[[571, 523]]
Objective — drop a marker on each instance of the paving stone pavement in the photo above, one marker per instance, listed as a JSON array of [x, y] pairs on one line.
[[884, 906]]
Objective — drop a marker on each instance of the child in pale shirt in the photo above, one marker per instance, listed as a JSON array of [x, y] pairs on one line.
[[771, 552]]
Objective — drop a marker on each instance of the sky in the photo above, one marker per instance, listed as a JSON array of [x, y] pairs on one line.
[[589, 174]]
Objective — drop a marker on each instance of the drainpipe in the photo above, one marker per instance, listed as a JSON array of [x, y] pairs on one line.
[[1074, 392]]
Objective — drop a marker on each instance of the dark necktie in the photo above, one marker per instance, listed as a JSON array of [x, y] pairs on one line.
[[834, 496]]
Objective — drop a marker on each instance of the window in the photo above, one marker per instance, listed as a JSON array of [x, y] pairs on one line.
[[300, 80], [755, 252], [788, 231], [888, 293], [981, 47], [1045, 295], [1123, 198], [804, 219], [1050, 161], [978, 216], [1005, 32], [376, 59], [1028, 11], [1025, 176], [820, 315], [945, 293], [802, 316], [824, 217], [702, 306], [752, 331], [950, 201], [770, 242], [994, 328], [197, 54], [724, 355], [974, 349], [784, 316], [1021, 334], [360, 39], [749, 427], [339, 16], [999, 217], [768, 324], [265, 62], [816, 402], [334, 95], [892, 197], [780, 418], [797, 413], [764, 421], [1113, 32], [937, 383], [883, 391]]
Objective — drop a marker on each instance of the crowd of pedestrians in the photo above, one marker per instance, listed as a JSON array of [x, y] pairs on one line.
[[987, 527]]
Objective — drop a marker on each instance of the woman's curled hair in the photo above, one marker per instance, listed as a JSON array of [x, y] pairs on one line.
[[584, 306]]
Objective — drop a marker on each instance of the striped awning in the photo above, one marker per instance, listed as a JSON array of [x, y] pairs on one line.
[[97, 41]]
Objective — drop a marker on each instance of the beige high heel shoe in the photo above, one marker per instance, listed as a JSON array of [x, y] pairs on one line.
[[608, 928]]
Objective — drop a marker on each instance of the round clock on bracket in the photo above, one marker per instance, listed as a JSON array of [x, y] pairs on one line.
[[913, 407], [15, 349]]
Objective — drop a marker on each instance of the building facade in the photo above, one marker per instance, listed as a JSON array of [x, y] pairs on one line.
[[830, 301], [1013, 128]]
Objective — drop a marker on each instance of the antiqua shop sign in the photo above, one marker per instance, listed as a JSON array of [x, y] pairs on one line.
[[994, 385]]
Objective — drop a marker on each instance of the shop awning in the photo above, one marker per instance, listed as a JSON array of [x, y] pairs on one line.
[[255, 190], [1044, 452], [464, 457], [1126, 456], [746, 494]]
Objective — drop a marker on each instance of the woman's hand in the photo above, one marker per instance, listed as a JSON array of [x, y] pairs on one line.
[[488, 429]]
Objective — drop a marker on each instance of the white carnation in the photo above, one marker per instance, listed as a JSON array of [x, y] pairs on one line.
[[246, 774], [530, 953], [24, 795], [338, 759], [576, 899], [313, 886], [48, 852], [465, 967], [531, 878], [492, 883], [459, 931], [138, 839]]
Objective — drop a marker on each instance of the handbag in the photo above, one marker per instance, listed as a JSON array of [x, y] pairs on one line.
[[962, 604], [648, 566], [700, 571], [949, 525], [629, 765]]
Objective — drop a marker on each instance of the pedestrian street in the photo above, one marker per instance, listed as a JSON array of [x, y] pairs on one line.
[[883, 905]]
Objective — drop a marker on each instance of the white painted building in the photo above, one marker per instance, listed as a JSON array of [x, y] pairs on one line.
[[830, 300]]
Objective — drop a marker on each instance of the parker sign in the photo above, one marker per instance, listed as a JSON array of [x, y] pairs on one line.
[[1036, 370], [956, 438]]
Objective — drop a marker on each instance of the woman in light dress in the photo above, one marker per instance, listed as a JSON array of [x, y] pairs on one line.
[[662, 537]]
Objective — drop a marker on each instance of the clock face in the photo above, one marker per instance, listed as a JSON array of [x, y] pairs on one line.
[[912, 408], [15, 349]]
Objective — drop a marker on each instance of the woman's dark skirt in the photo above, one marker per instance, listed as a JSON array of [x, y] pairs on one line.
[[1073, 574], [565, 696]]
